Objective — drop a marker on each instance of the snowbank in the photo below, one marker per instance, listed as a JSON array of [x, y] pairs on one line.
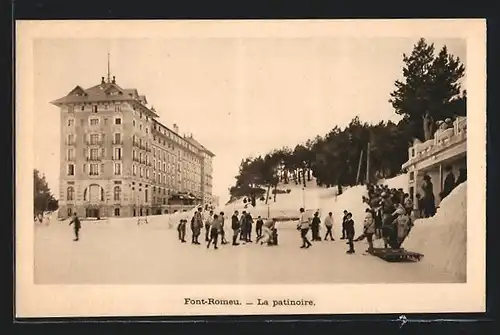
[[397, 182], [442, 238]]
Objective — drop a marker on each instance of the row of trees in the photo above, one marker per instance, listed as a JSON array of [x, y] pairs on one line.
[[430, 91], [43, 198]]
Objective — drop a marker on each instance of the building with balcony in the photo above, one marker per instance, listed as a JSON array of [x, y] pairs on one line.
[[447, 148], [118, 159]]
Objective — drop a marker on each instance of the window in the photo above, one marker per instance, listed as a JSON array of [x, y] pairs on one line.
[[154, 164], [147, 131], [118, 169], [117, 153], [117, 211], [134, 154], [71, 170], [94, 139], [140, 126], [146, 195], [71, 139], [94, 109], [94, 169], [154, 176], [94, 154], [147, 173], [117, 193], [141, 172], [94, 122], [118, 120], [118, 108], [71, 154], [118, 138], [71, 122], [133, 123], [70, 193], [71, 109]]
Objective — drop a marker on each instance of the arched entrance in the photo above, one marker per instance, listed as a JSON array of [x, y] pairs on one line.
[[93, 197]]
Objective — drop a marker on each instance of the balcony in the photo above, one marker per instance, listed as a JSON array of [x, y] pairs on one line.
[[98, 142], [94, 159], [67, 142], [115, 142], [117, 158], [444, 140]]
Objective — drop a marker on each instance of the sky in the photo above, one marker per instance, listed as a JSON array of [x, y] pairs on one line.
[[239, 97]]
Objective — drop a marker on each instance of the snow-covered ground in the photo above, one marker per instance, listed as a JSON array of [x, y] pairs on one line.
[[443, 238], [119, 251]]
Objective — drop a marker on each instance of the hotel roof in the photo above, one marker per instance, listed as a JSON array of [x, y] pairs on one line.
[[105, 91]]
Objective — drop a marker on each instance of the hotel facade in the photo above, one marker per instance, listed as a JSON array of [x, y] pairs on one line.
[[448, 147], [118, 159]]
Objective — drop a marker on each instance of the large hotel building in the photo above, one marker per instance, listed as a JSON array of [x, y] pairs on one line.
[[117, 159]]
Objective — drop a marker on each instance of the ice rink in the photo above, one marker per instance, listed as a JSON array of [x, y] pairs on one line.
[[125, 253]]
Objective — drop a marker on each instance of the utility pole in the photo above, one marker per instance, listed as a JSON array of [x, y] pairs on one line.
[[359, 166], [368, 164]]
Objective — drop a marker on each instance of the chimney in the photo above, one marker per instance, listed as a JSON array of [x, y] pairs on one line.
[[176, 128], [102, 80], [114, 80]]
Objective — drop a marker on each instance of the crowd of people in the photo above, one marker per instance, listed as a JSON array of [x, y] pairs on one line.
[[266, 233], [241, 226]]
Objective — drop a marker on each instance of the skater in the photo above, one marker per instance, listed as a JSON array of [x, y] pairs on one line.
[[329, 226], [249, 224], [349, 227], [258, 227], [214, 231], [196, 224], [222, 232], [303, 226], [181, 229], [316, 221], [344, 232], [235, 226], [243, 226], [77, 225], [208, 222], [369, 229]]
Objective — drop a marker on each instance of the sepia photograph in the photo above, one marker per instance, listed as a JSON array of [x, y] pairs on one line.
[[247, 156]]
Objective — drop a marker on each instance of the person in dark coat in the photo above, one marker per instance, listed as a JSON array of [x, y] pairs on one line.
[[76, 226], [344, 219], [349, 226], [449, 183], [196, 225], [315, 227], [428, 198], [181, 229], [249, 224], [235, 226], [243, 226], [258, 227]]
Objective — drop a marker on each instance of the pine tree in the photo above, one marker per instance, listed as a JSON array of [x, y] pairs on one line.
[[43, 198], [430, 86]]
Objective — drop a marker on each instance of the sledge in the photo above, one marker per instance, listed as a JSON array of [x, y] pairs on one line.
[[396, 255]]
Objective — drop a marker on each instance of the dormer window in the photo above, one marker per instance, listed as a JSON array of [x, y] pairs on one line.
[[94, 109]]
